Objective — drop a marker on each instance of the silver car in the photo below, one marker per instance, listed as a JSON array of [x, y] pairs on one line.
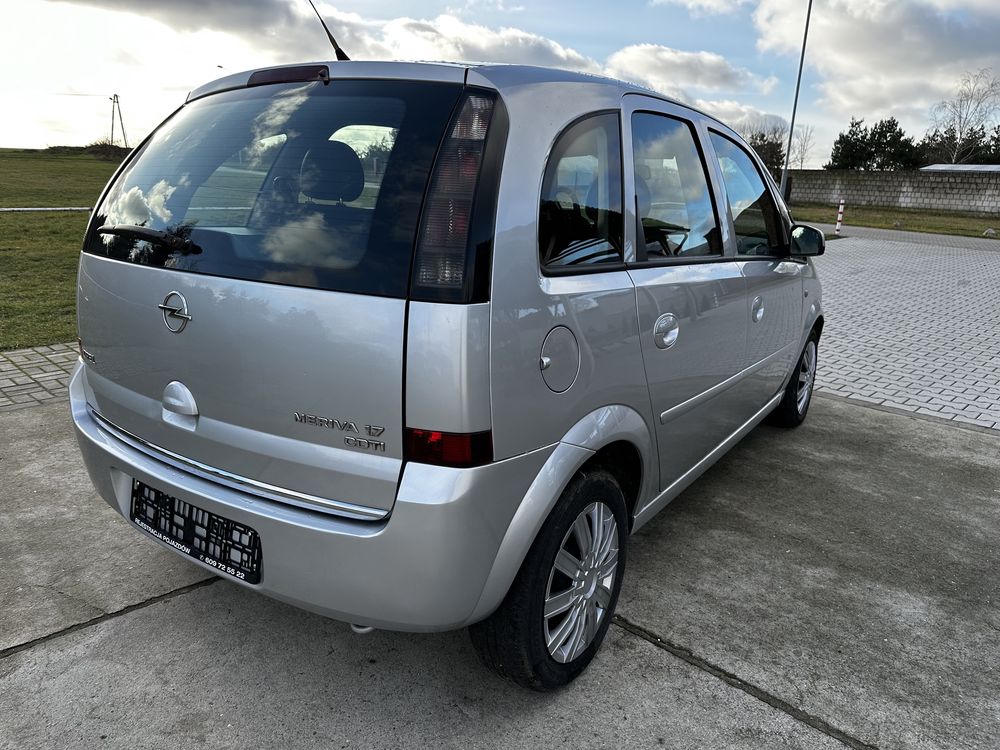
[[419, 346]]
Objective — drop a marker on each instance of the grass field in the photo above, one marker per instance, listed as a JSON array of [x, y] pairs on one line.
[[898, 218], [38, 257], [38, 252], [36, 179]]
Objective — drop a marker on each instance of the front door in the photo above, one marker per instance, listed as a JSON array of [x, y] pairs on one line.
[[691, 292], [774, 281]]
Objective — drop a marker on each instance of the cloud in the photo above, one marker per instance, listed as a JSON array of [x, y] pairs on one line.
[[734, 112], [450, 38], [674, 71], [879, 57], [704, 6], [270, 25], [206, 35]]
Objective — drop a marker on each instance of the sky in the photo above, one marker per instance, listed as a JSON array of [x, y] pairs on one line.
[[61, 61]]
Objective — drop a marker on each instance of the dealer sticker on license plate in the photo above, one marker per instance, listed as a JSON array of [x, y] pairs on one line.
[[227, 546]]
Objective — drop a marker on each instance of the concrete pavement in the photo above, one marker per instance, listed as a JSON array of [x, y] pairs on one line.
[[834, 585]]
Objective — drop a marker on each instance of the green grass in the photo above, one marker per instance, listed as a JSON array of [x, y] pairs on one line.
[[908, 220], [38, 258], [37, 179], [39, 252]]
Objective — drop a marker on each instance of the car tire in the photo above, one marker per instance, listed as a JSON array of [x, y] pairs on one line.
[[794, 405], [529, 639]]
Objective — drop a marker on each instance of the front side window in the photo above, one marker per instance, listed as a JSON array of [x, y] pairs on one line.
[[673, 203], [755, 217], [580, 221], [308, 184]]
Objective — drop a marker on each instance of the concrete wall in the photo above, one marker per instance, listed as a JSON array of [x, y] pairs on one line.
[[974, 192]]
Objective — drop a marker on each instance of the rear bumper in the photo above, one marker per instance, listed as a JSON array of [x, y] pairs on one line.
[[422, 569]]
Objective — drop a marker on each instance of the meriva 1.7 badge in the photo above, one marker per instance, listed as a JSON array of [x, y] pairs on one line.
[[347, 425]]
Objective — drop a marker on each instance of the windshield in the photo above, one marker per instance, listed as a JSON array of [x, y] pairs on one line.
[[305, 184]]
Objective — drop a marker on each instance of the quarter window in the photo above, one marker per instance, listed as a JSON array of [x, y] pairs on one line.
[[755, 216], [673, 203], [580, 222]]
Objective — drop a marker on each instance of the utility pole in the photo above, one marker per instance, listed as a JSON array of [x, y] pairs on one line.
[[117, 105], [795, 104], [121, 122]]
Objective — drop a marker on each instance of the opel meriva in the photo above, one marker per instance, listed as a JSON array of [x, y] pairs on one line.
[[418, 346]]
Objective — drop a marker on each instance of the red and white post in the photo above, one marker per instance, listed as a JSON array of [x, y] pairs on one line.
[[840, 217]]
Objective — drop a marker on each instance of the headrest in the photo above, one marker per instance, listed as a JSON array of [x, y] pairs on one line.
[[332, 171]]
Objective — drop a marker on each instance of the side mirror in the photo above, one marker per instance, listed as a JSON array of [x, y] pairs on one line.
[[807, 241]]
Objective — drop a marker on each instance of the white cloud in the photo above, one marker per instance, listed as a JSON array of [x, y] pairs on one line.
[[704, 6], [674, 71], [241, 34], [877, 58]]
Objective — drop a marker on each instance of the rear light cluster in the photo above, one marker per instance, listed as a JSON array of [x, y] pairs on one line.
[[447, 448], [441, 270]]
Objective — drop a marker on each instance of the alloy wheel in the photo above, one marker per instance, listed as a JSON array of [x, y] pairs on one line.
[[580, 585], [807, 377]]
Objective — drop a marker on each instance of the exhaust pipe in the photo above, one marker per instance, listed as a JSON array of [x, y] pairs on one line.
[[361, 629]]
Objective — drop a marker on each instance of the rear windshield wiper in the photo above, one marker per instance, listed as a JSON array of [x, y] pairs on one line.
[[156, 236]]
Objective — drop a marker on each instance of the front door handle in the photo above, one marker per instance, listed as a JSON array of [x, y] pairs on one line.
[[757, 309], [665, 331]]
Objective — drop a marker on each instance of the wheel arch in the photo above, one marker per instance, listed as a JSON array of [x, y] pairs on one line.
[[817, 326], [616, 438]]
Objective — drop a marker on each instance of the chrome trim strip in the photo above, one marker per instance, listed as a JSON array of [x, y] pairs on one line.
[[681, 483], [237, 482], [685, 406]]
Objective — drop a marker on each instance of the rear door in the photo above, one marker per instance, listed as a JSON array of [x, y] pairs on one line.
[[774, 281], [264, 343], [691, 293]]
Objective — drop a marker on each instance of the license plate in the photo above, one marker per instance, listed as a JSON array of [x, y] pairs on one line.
[[231, 548]]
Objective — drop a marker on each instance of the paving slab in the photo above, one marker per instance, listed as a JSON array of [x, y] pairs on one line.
[[913, 326], [225, 668], [65, 556], [849, 567]]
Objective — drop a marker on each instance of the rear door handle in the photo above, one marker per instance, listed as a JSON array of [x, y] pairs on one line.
[[757, 309]]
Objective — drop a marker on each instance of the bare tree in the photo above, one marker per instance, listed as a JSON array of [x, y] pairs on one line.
[[802, 144], [973, 110]]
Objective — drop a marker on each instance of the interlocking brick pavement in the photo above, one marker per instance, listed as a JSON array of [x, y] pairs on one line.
[[913, 326], [35, 376]]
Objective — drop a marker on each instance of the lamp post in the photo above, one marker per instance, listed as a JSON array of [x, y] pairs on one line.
[[795, 104]]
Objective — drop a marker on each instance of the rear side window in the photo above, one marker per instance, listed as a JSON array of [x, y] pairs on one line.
[[755, 217], [305, 184], [580, 220], [673, 202]]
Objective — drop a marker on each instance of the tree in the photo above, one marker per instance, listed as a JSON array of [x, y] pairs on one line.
[[767, 137], [802, 144], [852, 149], [375, 156], [961, 123], [883, 147], [891, 148]]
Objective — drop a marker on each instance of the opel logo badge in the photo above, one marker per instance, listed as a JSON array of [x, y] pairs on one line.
[[175, 312]]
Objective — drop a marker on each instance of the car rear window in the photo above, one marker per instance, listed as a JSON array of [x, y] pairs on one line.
[[304, 184]]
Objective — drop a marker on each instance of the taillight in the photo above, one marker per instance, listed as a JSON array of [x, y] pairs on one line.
[[448, 448], [442, 266]]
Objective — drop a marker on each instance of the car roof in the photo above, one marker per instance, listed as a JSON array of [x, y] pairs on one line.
[[499, 75]]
